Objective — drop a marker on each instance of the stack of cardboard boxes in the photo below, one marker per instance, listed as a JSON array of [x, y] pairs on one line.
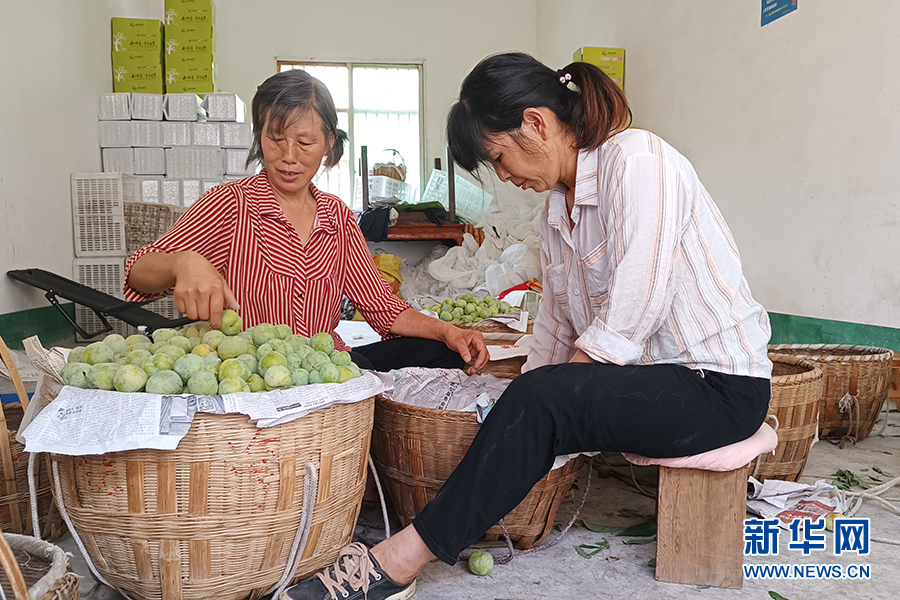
[[190, 42], [610, 60], [137, 55]]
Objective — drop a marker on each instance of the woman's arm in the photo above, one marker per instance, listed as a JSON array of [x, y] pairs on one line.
[[468, 343]]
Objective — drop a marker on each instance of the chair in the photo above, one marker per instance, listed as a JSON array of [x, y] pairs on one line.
[[102, 304]]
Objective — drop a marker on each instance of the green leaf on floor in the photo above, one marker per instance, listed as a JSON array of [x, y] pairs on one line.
[[645, 529], [847, 479], [877, 470], [651, 563], [591, 550], [640, 541], [776, 596], [600, 528]]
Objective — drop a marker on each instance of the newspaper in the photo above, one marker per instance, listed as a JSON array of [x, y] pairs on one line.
[[786, 501], [96, 422], [519, 348]]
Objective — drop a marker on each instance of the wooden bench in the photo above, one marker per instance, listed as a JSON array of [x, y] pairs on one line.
[[701, 512]]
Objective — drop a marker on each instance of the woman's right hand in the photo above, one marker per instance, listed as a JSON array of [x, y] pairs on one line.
[[201, 292]]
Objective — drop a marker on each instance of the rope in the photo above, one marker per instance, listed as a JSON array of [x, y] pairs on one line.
[[32, 493], [886, 411], [384, 512], [632, 481], [548, 544], [310, 487], [849, 404], [875, 494]]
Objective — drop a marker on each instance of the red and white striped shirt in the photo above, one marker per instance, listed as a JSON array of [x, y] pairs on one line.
[[647, 272], [240, 228]]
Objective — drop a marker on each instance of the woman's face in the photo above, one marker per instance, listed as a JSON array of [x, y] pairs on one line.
[[294, 156], [531, 159]]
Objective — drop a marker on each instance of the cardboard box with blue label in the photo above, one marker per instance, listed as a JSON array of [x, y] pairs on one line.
[[190, 11], [610, 60], [130, 35]]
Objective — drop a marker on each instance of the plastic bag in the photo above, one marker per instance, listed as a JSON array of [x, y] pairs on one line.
[[517, 263], [389, 267]]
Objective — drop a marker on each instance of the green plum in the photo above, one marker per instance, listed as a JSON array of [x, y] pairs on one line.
[[322, 342], [250, 361], [163, 335], [180, 341], [283, 332], [232, 368], [164, 382], [330, 373], [299, 377], [256, 383], [212, 338], [271, 359], [137, 338], [101, 376], [262, 333], [175, 352], [232, 347], [76, 374], [76, 355], [116, 342], [277, 377], [232, 385], [129, 378], [203, 383], [187, 365], [341, 358], [231, 323]]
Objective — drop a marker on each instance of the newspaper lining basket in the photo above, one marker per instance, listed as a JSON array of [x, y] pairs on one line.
[[797, 386], [15, 505], [416, 449], [862, 372], [216, 517], [34, 568]]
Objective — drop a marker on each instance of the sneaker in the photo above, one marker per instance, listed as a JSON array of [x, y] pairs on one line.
[[355, 575]]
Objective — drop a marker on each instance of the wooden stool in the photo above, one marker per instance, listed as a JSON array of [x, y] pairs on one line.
[[701, 506], [894, 392]]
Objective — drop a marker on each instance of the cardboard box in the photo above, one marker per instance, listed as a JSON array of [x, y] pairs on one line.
[[190, 38], [610, 60], [190, 11], [137, 72], [129, 35], [195, 73]]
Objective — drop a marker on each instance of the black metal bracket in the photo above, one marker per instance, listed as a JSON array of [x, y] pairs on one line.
[[51, 296]]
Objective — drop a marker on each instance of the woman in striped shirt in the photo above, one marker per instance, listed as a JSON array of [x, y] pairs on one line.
[[647, 341], [280, 251]]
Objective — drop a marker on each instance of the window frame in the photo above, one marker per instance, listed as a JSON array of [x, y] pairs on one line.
[[354, 160]]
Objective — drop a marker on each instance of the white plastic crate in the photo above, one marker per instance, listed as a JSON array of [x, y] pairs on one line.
[[131, 188], [171, 192], [118, 160], [105, 275], [183, 107], [191, 190], [176, 134], [223, 106], [207, 134], [237, 135], [384, 190], [471, 200], [115, 134], [114, 107], [149, 161], [147, 107], [151, 189], [194, 163], [97, 214], [147, 134]]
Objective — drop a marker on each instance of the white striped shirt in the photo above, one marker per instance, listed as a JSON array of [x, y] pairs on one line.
[[649, 273]]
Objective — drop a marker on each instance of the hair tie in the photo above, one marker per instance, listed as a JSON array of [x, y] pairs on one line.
[[566, 80]]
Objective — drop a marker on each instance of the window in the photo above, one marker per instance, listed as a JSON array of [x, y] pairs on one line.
[[379, 106]]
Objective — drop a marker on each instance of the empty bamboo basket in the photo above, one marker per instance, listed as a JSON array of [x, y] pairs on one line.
[[862, 372], [35, 569], [797, 386], [416, 449], [216, 517]]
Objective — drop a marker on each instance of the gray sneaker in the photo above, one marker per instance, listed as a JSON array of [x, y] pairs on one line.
[[355, 575]]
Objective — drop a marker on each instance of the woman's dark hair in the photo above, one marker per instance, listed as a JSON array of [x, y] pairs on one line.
[[494, 96], [282, 95]]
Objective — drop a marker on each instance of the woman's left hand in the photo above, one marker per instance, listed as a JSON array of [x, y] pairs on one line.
[[470, 346]]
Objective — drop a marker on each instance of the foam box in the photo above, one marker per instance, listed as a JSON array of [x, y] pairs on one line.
[[115, 107], [237, 135], [147, 107], [207, 134], [236, 162], [115, 134], [176, 134], [194, 163], [223, 106], [147, 134], [151, 189], [118, 160], [191, 190], [209, 184], [171, 192], [184, 107], [149, 161]]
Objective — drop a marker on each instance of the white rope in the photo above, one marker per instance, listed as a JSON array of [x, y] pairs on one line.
[[310, 490], [32, 496], [886, 411], [875, 494], [848, 404], [384, 513]]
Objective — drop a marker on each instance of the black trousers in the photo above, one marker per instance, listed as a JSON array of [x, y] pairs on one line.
[[660, 411], [400, 352]]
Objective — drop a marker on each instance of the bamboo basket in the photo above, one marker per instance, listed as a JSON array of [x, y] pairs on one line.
[[862, 372], [216, 517], [35, 569], [15, 506], [416, 449], [797, 386], [495, 327]]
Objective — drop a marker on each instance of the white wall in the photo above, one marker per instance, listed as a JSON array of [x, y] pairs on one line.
[[54, 59], [793, 128]]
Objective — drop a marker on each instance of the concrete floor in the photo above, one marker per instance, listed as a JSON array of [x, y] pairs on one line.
[[622, 572]]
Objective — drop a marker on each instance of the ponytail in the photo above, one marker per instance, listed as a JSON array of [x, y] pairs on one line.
[[602, 111], [337, 148]]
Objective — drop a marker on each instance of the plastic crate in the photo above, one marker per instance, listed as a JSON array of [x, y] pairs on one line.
[[97, 212], [385, 190], [105, 275], [145, 223], [471, 200]]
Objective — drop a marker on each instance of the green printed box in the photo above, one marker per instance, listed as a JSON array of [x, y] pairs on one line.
[[137, 60], [190, 11], [190, 38], [188, 87], [182, 69], [130, 35], [610, 60], [137, 78]]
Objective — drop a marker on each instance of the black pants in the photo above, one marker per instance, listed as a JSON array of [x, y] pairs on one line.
[[660, 411], [400, 352]]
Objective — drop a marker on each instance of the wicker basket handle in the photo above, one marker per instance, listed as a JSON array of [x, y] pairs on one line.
[[13, 573], [14, 374], [6, 459]]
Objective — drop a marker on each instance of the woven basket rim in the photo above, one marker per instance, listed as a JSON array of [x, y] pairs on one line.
[[814, 371], [821, 352], [451, 415]]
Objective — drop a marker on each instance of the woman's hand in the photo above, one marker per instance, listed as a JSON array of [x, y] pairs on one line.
[[470, 346], [581, 357], [200, 291]]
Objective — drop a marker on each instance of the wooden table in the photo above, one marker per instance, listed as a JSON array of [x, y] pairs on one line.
[[452, 232]]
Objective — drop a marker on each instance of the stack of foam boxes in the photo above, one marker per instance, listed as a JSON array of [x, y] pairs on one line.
[[190, 43], [137, 55]]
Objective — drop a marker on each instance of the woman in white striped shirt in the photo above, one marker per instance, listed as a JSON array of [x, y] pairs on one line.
[[648, 340]]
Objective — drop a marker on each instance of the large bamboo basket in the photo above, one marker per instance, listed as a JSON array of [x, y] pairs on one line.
[[861, 371], [495, 327], [216, 517], [35, 569], [797, 386], [15, 506], [416, 449]]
